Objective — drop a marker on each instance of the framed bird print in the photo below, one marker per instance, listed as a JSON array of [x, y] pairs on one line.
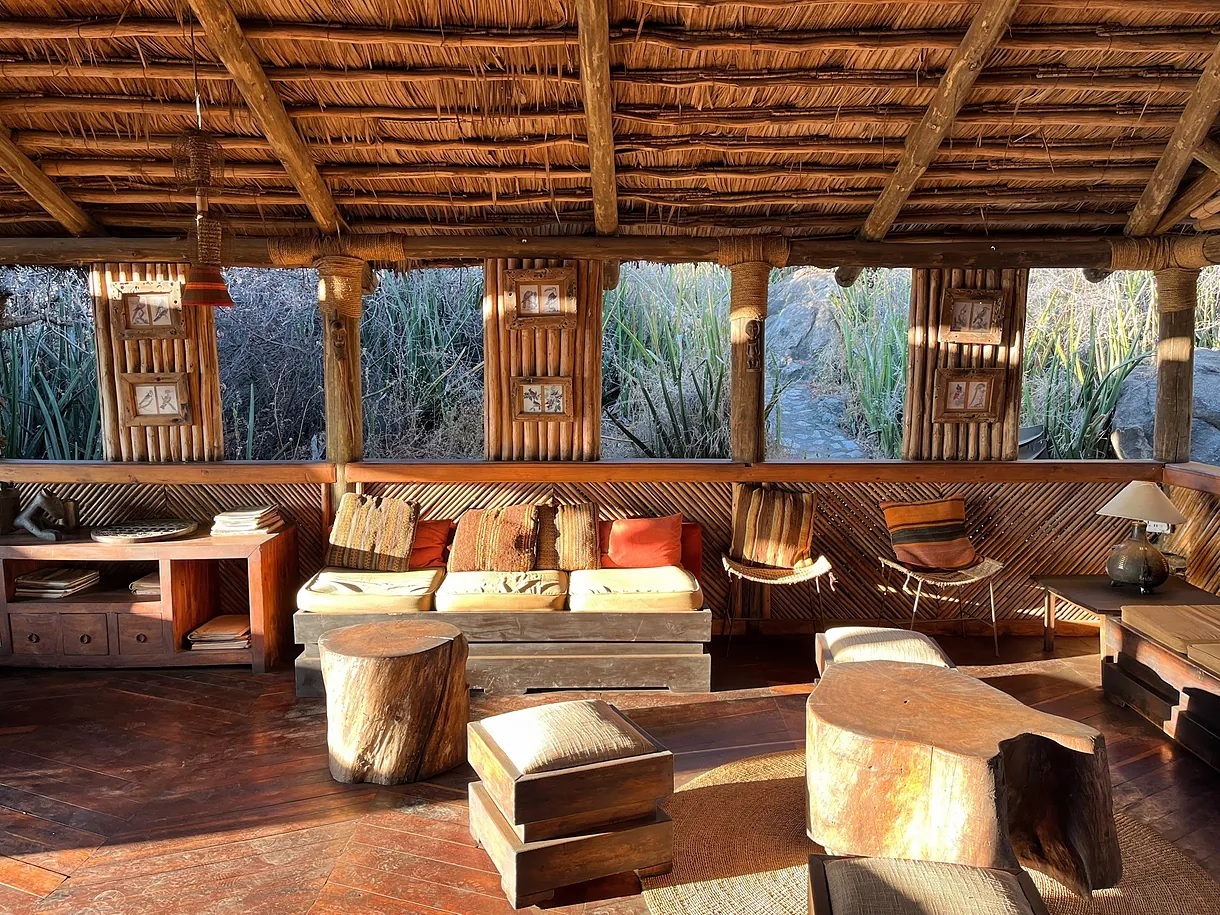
[[542, 399], [541, 298], [154, 398], [147, 309]]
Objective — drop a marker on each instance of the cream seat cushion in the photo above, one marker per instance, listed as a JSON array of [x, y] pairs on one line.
[[335, 590], [472, 592], [660, 589], [1176, 627], [871, 643], [565, 734], [1206, 655], [888, 886]]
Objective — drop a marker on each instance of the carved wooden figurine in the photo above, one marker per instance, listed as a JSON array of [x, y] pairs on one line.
[[42, 516]]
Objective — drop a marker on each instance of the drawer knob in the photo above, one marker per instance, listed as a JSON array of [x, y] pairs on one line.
[[33, 637], [86, 639], [141, 637]]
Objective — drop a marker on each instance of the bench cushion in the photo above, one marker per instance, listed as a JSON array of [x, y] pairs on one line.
[[543, 589], [350, 590], [1176, 627], [1206, 655], [565, 734], [660, 589], [872, 886], [871, 643]]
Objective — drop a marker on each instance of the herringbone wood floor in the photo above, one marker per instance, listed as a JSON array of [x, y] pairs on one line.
[[206, 791]]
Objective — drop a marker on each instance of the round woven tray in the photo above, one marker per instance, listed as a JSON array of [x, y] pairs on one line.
[[144, 531]]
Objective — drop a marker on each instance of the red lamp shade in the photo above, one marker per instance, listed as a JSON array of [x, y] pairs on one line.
[[205, 286]]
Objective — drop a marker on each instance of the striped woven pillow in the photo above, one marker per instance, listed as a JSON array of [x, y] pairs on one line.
[[774, 528], [931, 534], [578, 541], [495, 540], [373, 533]]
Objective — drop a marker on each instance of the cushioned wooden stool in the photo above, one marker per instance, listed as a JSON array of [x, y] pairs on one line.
[[895, 886], [568, 793], [843, 644]]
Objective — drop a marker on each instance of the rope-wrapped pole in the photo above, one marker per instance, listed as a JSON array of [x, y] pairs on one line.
[[1177, 293], [342, 282]]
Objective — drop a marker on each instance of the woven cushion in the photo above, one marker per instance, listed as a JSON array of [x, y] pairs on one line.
[[372, 532], [930, 534], [1176, 627], [543, 589], [578, 543], [548, 538], [348, 591], [662, 589], [844, 644], [886, 886], [774, 528], [1206, 655], [565, 734], [495, 540]]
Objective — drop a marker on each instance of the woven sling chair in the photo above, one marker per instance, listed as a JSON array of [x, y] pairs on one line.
[[773, 545], [982, 571]]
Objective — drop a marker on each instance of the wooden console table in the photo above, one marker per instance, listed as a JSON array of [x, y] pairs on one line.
[[111, 627], [1095, 594]]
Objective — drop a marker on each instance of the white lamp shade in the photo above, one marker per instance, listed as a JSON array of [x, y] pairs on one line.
[[1143, 501]]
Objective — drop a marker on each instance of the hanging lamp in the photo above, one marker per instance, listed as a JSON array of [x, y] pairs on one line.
[[198, 165]]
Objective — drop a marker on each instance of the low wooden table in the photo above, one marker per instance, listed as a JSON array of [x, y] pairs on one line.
[[1095, 594]]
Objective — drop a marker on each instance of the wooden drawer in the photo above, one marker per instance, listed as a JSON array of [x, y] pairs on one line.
[[84, 634], [35, 633], [141, 634]]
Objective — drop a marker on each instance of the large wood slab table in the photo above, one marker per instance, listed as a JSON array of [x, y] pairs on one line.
[[916, 761]]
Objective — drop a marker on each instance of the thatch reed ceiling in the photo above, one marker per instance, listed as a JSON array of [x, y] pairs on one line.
[[727, 115]]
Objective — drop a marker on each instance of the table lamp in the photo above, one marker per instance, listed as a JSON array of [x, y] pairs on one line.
[[1135, 561]]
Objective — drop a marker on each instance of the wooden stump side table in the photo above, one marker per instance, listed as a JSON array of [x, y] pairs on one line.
[[396, 700], [915, 761]]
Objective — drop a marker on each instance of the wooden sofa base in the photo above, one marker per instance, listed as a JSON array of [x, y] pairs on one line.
[[1167, 688], [511, 652]]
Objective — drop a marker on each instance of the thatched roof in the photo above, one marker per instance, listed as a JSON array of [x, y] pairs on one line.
[[464, 115]]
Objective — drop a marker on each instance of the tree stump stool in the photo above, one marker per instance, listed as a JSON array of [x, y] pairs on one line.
[[396, 700], [916, 761]]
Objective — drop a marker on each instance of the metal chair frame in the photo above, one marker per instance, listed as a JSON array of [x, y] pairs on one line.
[[927, 580]]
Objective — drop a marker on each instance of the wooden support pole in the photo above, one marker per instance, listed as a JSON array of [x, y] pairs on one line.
[[593, 20], [341, 283], [227, 42], [988, 26], [1177, 293], [747, 323]]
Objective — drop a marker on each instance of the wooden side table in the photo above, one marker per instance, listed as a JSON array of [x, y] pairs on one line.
[[1095, 594]]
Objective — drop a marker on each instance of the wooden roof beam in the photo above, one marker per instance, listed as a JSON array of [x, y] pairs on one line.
[[45, 192], [1197, 119], [986, 29], [593, 26], [227, 42]]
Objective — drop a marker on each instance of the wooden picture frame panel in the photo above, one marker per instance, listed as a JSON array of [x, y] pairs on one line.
[[541, 298], [154, 398], [147, 309], [968, 395], [542, 399], [975, 316]]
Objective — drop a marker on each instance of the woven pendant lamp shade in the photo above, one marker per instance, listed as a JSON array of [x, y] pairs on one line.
[[205, 286]]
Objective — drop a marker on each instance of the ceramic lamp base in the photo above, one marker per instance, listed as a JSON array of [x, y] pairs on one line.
[[1137, 562]]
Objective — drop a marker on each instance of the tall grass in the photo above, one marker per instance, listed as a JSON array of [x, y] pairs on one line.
[[872, 317], [48, 381], [665, 378]]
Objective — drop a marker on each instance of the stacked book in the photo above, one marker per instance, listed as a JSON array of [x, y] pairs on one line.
[[57, 582], [147, 586], [257, 519], [220, 633]]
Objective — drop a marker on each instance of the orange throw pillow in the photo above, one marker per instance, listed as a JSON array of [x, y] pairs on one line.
[[641, 543], [431, 541]]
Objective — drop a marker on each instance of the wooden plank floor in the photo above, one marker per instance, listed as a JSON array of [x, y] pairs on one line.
[[206, 791]]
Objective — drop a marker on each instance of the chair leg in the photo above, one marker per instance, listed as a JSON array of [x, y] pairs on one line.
[[915, 608], [734, 594], [995, 633], [821, 618]]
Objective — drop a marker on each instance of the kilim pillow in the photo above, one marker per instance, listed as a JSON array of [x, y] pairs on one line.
[[548, 538], [495, 540], [578, 544], [931, 534], [373, 533], [774, 528]]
